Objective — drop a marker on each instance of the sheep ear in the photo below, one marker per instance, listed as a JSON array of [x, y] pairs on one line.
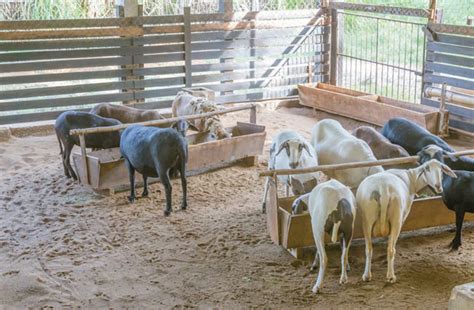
[[448, 171], [422, 170], [306, 147], [450, 156], [282, 146]]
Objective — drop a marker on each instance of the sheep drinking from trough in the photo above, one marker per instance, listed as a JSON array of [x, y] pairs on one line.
[[335, 145], [332, 207], [381, 146], [385, 200], [458, 193], [155, 152], [289, 150], [80, 120], [414, 138], [186, 104], [126, 114]]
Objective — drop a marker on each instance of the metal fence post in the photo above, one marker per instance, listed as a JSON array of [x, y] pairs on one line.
[[226, 7]]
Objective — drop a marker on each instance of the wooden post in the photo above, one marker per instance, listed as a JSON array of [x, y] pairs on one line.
[[432, 9], [187, 47], [85, 166], [226, 7], [253, 115], [334, 49], [131, 8]]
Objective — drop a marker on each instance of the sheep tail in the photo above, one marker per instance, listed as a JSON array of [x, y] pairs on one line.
[[335, 231], [383, 206]]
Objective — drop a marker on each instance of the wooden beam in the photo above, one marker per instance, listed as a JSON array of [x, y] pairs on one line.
[[382, 162], [382, 9], [84, 131]]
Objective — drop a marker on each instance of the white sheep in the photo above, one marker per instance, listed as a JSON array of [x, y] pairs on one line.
[[290, 150], [335, 145], [332, 207], [185, 104], [385, 200]]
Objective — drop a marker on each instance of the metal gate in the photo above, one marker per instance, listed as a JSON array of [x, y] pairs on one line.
[[376, 54]]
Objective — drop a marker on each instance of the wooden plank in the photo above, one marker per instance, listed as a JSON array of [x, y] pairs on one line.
[[89, 22], [85, 166], [450, 59], [61, 102], [94, 42], [240, 25], [466, 126], [238, 44], [81, 33], [65, 64], [267, 63], [159, 104], [382, 9], [32, 117], [258, 34], [451, 70], [86, 75], [453, 29], [258, 15], [452, 108], [85, 53], [451, 81], [451, 49], [455, 39], [258, 52], [272, 211]]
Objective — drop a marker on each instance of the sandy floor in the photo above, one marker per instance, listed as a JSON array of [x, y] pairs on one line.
[[63, 245]]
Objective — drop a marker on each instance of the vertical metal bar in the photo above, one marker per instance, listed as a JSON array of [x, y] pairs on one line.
[[416, 62], [334, 51], [377, 56], [411, 62], [187, 47], [367, 63], [406, 37]]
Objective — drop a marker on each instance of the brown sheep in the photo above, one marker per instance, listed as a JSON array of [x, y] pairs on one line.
[[381, 146], [125, 114]]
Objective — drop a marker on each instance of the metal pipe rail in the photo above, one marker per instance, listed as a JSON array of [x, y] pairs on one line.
[[453, 97], [361, 164], [85, 131]]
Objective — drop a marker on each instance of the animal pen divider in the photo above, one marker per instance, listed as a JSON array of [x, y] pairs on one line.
[[294, 232], [48, 66]]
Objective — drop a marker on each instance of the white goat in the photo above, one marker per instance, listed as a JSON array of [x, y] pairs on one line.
[[335, 145], [385, 201], [290, 150], [332, 207]]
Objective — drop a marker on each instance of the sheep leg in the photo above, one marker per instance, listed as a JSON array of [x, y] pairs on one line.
[[346, 245], [67, 162], [315, 261], [344, 261], [184, 184], [165, 180], [131, 176], [392, 241], [323, 259], [456, 243], [367, 229], [145, 186]]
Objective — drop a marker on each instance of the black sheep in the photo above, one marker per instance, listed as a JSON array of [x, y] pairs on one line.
[[155, 152], [413, 138], [80, 120], [458, 193]]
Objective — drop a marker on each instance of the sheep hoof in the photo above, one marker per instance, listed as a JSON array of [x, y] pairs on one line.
[[184, 207], [316, 289], [131, 199], [145, 194], [264, 208], [392, 279], [454, 245], [366, 278], [343, 280], [167, 213]]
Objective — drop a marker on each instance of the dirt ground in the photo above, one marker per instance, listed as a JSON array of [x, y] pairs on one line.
[[63, 245]]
